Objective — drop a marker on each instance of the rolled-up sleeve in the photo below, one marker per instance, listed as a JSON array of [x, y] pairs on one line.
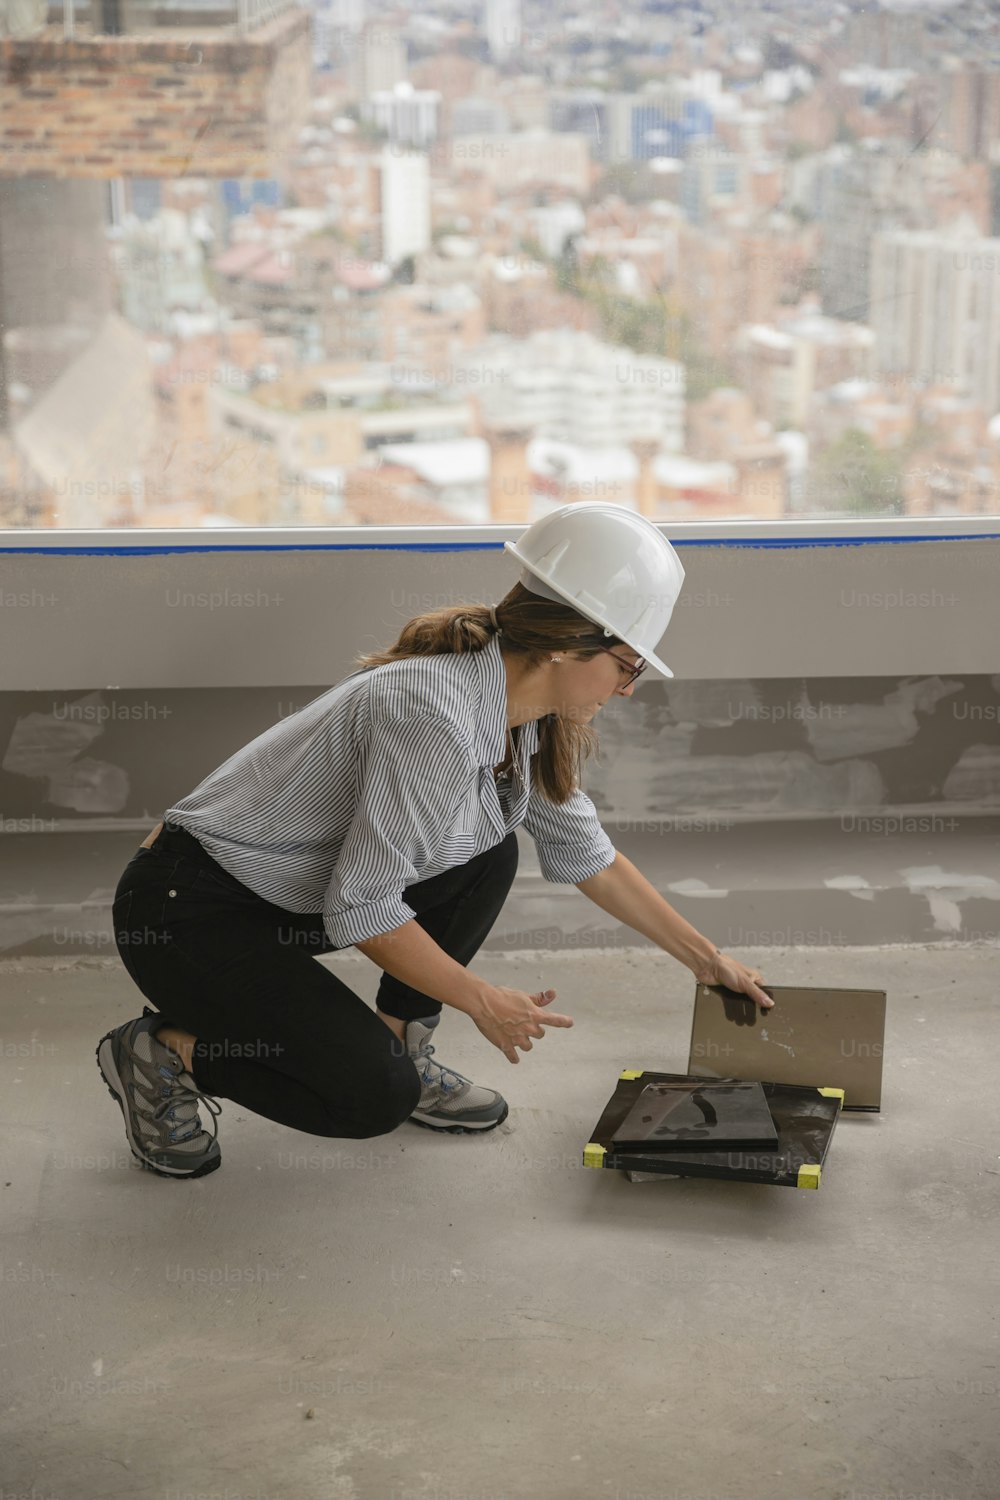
[[569, 839], [412, 774]]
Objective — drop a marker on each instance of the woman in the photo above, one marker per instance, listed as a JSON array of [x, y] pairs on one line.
[[383, 815]]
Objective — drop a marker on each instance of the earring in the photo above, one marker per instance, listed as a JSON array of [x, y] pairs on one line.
[[557, 658]]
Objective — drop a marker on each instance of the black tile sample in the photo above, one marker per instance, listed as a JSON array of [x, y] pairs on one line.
[[692, 1116]]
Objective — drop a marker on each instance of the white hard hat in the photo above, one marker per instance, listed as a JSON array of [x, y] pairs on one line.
[[611, 565]]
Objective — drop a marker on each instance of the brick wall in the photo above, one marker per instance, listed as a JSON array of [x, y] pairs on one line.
[[157, 105]]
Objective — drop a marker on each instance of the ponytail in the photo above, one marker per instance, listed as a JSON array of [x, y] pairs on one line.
[[530, 628]]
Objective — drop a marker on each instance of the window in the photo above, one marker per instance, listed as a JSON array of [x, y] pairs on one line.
[[589, 260]]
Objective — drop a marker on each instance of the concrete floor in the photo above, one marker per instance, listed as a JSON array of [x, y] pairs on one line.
[[476, 1318]]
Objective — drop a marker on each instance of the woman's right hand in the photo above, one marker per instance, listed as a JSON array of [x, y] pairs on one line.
[[510, 1018]]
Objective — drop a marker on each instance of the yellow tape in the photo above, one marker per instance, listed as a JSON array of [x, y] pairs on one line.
[[833, 1094], [808, 1175], [593, 1154], [632, 1073]]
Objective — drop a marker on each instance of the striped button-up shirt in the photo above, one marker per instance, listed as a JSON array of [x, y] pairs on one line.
[[380, 782]]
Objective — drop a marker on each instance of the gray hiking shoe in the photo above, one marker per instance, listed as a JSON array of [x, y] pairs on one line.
[[448, 1101], [159, 1100]]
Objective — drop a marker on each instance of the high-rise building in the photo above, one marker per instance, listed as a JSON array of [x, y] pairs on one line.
[[161, 267], [405, 204], [781, 365], [971, 99], [888, 38], [377, 60], [631, 127], [409, 116], [575, 388], [994, 190], [336, 26], [854, 194], [854, 207], [935, 309], [350, 14], [503, 28], [711, 179]]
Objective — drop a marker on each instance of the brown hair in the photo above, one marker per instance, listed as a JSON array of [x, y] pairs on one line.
[[531, 627]]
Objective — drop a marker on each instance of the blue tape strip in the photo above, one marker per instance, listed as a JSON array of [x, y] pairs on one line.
[[813, 541], [130, 551]]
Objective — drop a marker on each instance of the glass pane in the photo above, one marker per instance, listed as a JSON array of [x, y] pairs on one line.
[[833, 1038], [694, 1117], [423, 265]]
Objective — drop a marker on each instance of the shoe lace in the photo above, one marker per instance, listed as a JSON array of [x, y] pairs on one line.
[[180, 1104], [436, 1073]]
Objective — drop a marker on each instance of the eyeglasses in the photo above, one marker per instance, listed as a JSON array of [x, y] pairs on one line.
[[636, 669]]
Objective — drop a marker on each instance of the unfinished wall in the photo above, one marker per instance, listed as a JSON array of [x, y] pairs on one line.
[[807, 680], [820, 771], [723, 750]]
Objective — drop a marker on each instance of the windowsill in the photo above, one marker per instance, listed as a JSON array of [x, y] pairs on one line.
[[799, 531]]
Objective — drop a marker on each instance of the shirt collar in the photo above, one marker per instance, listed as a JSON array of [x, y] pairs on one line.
[[491, 709]]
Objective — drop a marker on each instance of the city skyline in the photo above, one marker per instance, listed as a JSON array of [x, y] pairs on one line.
[[775, 232]]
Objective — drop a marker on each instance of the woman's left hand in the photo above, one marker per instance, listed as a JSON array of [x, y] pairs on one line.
[[735, 976]]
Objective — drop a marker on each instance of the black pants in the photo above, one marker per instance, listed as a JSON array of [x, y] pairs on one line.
[[276, 1031]]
